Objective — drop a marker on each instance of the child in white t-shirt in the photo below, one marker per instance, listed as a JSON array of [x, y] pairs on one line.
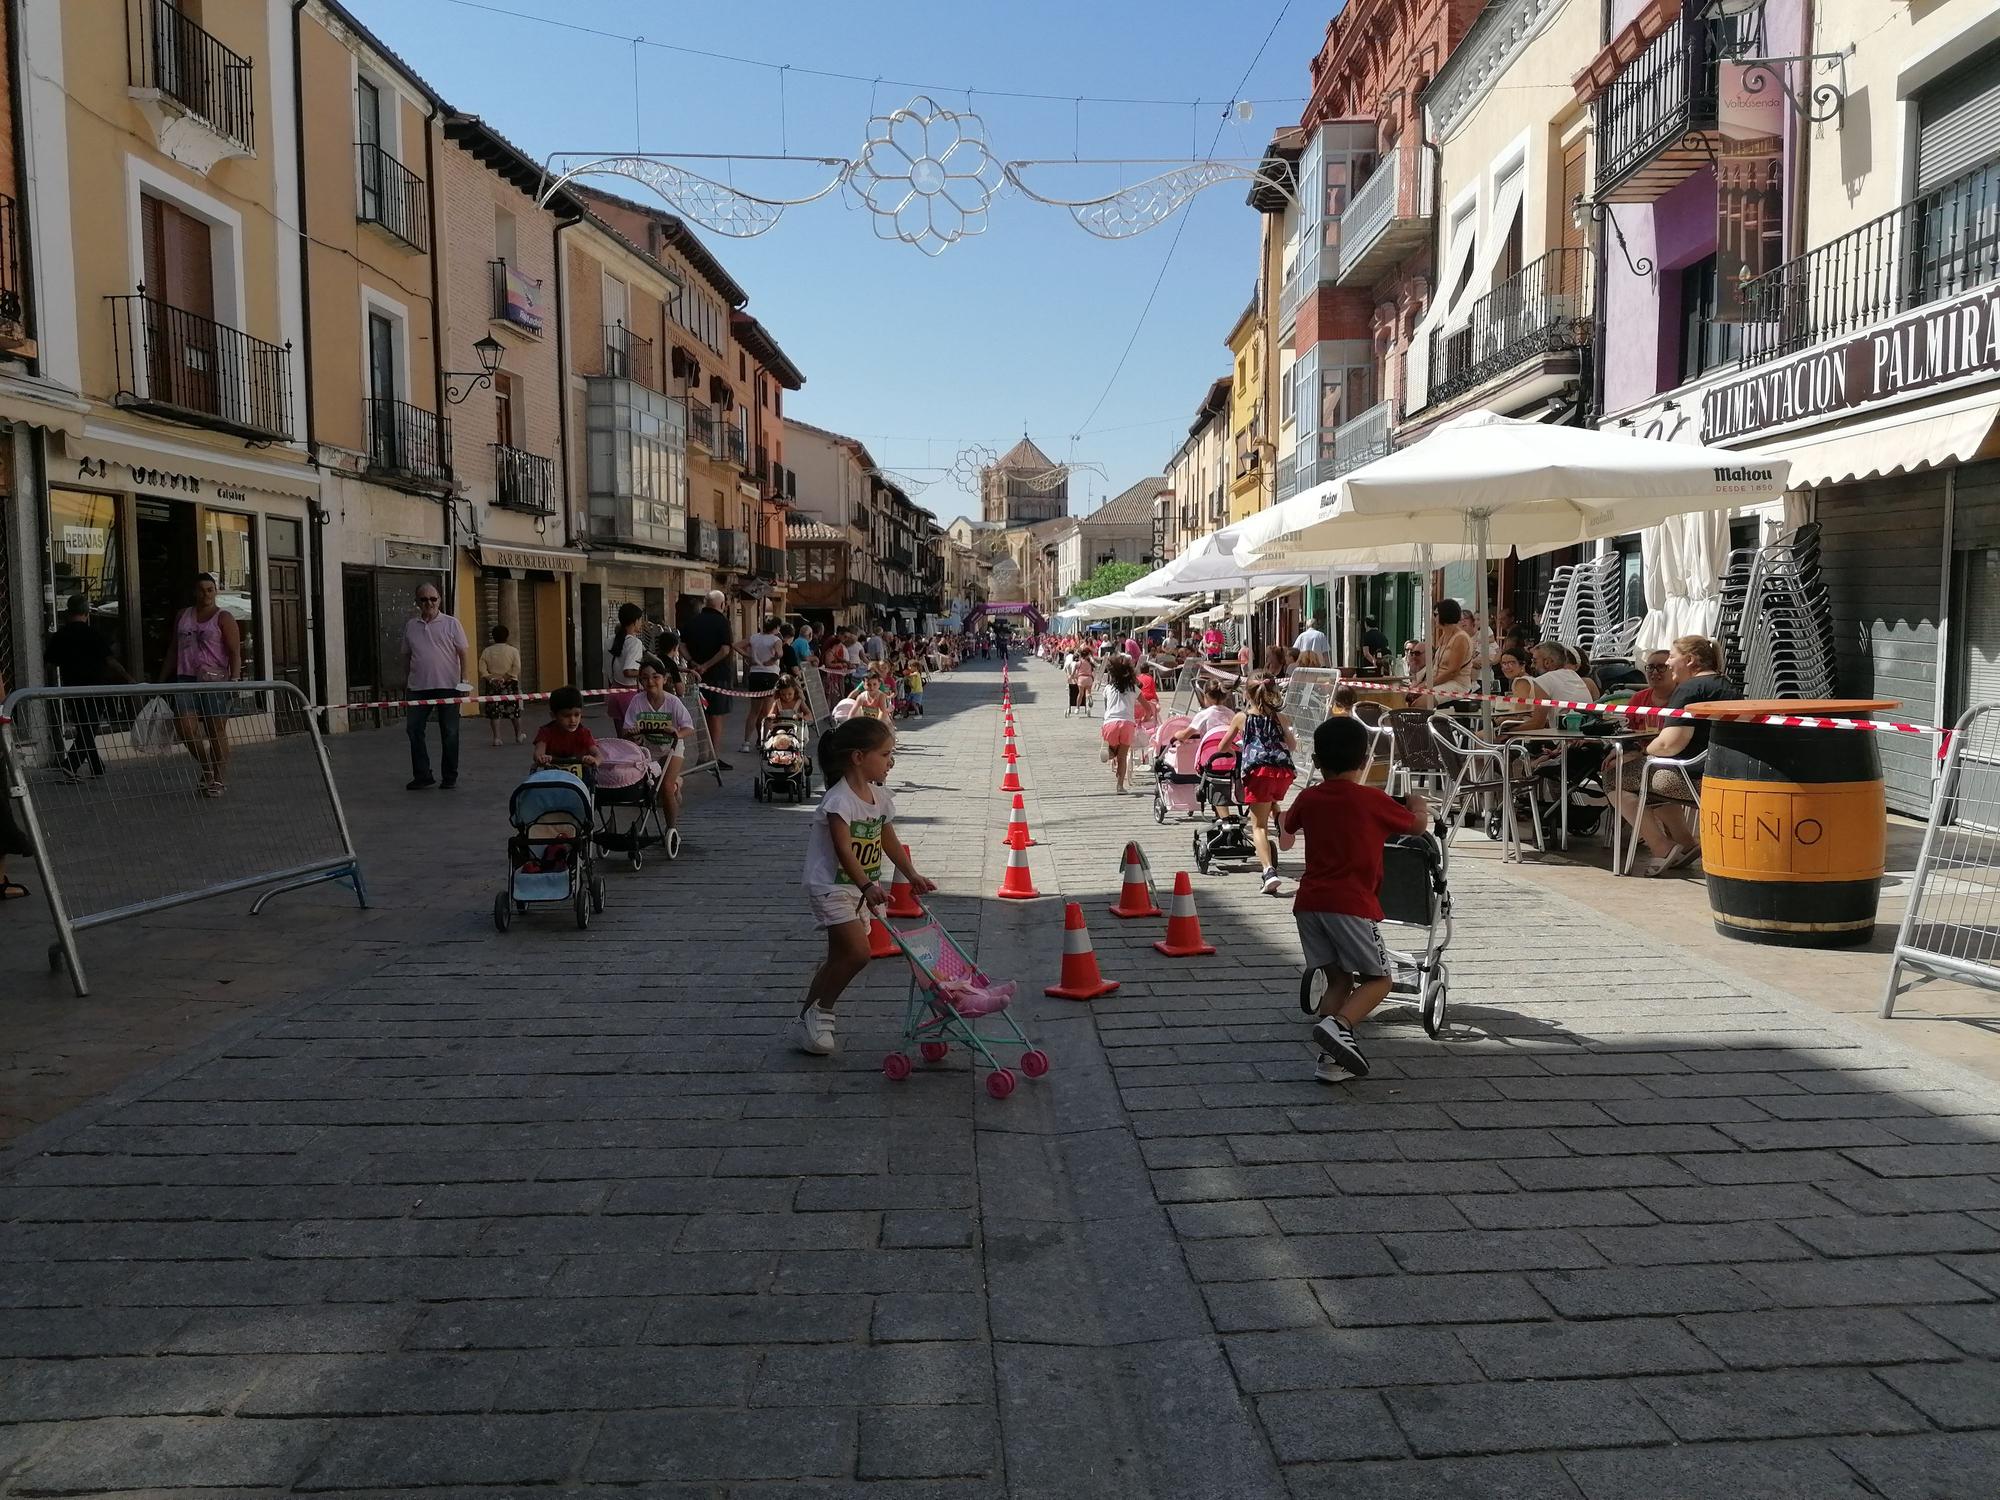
[[852, 830], [1217, 714]]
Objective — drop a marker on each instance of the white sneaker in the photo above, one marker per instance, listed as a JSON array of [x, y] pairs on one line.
[[816, 1031], [1271, 882], [1335, 1038], [1326, 1070]]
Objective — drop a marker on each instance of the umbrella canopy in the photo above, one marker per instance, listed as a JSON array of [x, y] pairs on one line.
[[1117, 606], [1490, 482], [1212, 563]]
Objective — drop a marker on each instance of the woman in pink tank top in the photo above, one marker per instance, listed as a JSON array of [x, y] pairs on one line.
[[205, 646]]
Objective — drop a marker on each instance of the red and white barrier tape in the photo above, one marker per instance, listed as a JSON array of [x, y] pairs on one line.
[[1628, 711]]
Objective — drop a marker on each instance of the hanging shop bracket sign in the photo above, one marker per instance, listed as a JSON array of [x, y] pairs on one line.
[[1946, 344]]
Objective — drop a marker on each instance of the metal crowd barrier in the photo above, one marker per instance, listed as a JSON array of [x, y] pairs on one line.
[[1308, 695], [115, 785], [1951, 927], [702, 754], [815, 685]]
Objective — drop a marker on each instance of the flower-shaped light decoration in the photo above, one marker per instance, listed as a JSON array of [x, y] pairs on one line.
[[970, 464], [926, 175]]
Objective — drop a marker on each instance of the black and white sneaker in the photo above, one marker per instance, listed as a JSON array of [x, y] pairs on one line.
[[1312, 989], [1271, 883], [1335, 1037]]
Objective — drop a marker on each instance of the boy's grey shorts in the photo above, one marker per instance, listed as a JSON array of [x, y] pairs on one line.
[[1349, 945]]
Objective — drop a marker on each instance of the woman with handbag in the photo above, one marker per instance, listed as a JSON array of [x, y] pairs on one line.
[[204, 646]]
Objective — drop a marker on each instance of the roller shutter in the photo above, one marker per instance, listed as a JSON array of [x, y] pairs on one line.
[[1958, 121]]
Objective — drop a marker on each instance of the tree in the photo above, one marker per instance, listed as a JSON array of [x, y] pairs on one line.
[[1109, 578]]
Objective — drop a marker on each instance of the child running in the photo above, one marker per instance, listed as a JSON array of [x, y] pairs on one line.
[[1082, 679], [1346, 825], [1121, 717], [850, 833], [563, 742], [1264, 747], [871, 702]]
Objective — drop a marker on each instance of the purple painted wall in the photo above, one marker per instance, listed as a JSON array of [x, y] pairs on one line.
[[1642, 314]]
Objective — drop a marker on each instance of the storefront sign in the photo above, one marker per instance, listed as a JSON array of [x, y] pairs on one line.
[[1943, 344], [530, 559], [142, 478], [84, 541], [428, 556]]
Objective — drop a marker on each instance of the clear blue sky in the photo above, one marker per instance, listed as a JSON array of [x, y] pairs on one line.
[[1021, 325]]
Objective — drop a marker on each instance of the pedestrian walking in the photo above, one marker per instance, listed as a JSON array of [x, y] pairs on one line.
[[622, 655], [852, 830], [711, 648], [499, 677], [436, 664], [80, 657], [765, 651], [1121, 717], [205, 646], [1345, 824]]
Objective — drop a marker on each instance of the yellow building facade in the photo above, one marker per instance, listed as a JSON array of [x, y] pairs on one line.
[[1249, 448]]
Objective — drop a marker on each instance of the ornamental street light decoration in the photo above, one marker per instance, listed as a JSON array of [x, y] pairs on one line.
[[927, 177], [972, 461], [490, 351]]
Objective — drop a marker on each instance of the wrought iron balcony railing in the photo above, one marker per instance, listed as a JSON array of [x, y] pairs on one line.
[[192, 369], [407, 443], [733, 549], [1288, 475], [392, 196], [704, 539], [1934, 247], [13, 307], [514, 299], [770, 561], [735, 445], [1361, 441], [628, 356], [1664, 95], [525, 481], [166, 52], [1543, 309], [701, 424]]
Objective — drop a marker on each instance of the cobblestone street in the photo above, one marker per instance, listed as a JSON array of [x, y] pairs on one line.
[[562, 1212]]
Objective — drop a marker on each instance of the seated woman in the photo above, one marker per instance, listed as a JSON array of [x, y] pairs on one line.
[[1668, 829]]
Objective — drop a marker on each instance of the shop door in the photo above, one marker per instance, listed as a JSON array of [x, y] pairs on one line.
[[179, 311], [169, 556], [590, 601], [527, 639], [357, 611], [286, 605]]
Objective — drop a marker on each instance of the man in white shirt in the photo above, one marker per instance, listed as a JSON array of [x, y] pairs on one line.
[[1314, 639], [437, 658]]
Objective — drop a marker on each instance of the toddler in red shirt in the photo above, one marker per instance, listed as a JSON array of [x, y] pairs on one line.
[[1345, 824], [563, 742]]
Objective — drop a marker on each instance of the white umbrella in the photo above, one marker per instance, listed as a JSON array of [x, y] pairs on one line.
[[1490, 482], [1119, 605]]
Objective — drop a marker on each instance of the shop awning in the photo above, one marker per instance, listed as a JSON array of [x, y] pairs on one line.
[[1924, 437], [541, 559], [37, 403], [181, 470]]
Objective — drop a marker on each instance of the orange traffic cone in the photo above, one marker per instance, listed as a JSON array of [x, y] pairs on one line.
[[902, 901], [880, 943], [1008, 732], [1135, 894], [1183, 939], [1017, 884], [1011, 782], [1017, 827], [1080, 978], [1009, 754]]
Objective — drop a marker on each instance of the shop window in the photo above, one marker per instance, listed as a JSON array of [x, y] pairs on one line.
[[1704, 342], [86, 556]]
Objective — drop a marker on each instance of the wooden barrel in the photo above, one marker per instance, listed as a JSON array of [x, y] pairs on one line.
[[1793, 825]]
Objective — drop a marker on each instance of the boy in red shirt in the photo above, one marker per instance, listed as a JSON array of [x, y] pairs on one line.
[[563, 742], [1346, 825]]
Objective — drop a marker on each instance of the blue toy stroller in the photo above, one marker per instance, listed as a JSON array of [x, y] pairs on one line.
[[551, 859], [1414, 894], [949, 995]]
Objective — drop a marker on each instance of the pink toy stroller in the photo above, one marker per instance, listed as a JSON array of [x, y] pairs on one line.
[[1176, 777], [1219, 789], [628, 780], [949, 996]]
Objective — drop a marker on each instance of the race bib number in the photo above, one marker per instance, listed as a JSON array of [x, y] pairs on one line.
[[656, 728], [864, 837]]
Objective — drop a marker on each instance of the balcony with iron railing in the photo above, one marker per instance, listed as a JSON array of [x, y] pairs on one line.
[[14, 334], [514, 301], [406, 444], [1932, 248], [704, 539], [735, 446], [732, 548], [393, 198], [1288, 475], [1388, 217], [628, 356], [523, 481], [177, 68], [1655, 119], [768, 562], [701, 424], [187, 368], [1544, 309], [1360, 441]]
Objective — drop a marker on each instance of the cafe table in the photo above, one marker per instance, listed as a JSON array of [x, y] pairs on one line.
[[1563, 740]]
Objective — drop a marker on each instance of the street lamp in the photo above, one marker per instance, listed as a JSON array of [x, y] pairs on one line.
[[490, 351]]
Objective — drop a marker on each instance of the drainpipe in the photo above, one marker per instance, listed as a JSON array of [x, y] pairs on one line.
[[315, 512], [437, 368], [572, 645]]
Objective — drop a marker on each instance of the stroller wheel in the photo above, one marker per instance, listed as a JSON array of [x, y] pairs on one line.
[[1201, 856], [1159, 810], [673, 843], [638, 857], [1034, 1062], [935, 1051], [582, 904], [896, 1066], [1312, 989], [756, 791], [596, 893], [1000, 1083], [1434, 1002], [503, 911]]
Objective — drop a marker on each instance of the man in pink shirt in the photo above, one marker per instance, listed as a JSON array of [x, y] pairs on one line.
[[436, 659]]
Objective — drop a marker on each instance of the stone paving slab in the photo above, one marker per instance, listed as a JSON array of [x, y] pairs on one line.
[[561, 1213]]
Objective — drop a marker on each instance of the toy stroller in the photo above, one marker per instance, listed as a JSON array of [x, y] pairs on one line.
[[628, 777], [550, 859], [949, 994], [1176, 773], [1414, 894], [1219, 788], [784, 768]]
